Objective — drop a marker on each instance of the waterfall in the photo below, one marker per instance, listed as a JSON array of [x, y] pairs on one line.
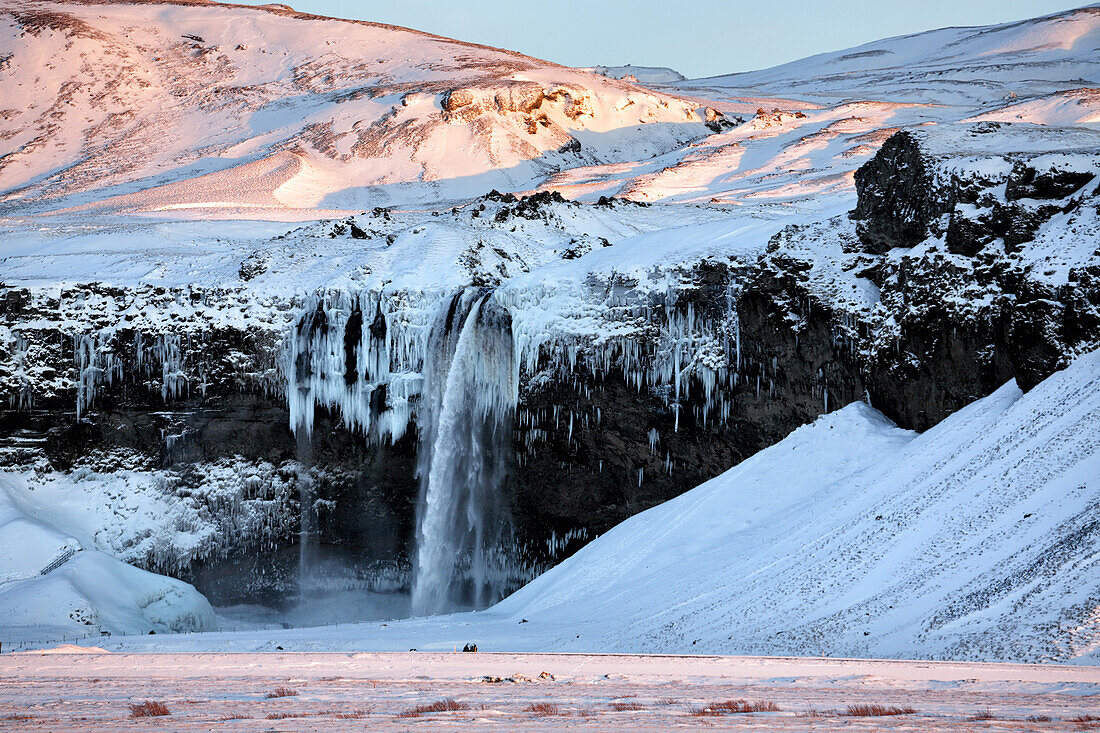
[[388, 359], [382, 359], [307, 534], [468, 399]]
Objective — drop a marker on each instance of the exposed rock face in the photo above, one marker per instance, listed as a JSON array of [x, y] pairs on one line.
[[897, 201], [158, 343], [468, 103], [994, 295], [921, 175]]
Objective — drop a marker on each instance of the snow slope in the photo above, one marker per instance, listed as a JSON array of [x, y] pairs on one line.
[[1074, 107], [972, 540], [952, 66], [202, 110], [53, 584]]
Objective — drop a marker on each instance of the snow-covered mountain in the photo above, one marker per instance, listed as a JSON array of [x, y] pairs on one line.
[[218, 110], [953, 66], [556, 297]]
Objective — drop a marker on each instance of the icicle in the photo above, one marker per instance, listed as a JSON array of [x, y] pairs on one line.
[[96, 364]]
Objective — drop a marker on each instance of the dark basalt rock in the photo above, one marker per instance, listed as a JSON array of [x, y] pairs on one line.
[[718, 122], [573, 146], [967, 237], [1035, 340], [902, 196], [897, 200], [1027, 183], [578, 483]]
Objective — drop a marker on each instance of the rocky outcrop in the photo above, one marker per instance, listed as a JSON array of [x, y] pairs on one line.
[[1003, 284], [897, 201], [467, 103], [993, 181]]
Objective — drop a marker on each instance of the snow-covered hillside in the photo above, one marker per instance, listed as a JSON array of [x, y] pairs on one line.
[[973, 540], [640, 74], [950, 66], [204, 109]]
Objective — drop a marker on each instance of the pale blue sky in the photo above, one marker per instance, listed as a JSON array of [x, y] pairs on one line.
[[696, 37]]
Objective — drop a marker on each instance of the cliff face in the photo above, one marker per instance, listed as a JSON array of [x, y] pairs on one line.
[[634, 384], [969, 260]]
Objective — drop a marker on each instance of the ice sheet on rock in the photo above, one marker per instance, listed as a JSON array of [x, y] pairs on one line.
[[140, 517]]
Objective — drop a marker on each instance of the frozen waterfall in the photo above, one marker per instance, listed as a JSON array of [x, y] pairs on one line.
[[307, 535], [450, 364], [447, 364]]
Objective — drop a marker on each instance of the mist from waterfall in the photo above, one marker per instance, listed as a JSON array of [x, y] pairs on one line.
[[468, 400]]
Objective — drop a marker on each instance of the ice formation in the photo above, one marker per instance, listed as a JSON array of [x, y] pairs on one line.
[[457, 366], [385, 360], [98, 356], [361, 354], [654, 334]]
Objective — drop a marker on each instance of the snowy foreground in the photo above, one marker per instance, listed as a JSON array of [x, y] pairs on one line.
[[371, 691]]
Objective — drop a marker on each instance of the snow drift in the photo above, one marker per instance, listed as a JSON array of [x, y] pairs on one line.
[[53, 585]]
